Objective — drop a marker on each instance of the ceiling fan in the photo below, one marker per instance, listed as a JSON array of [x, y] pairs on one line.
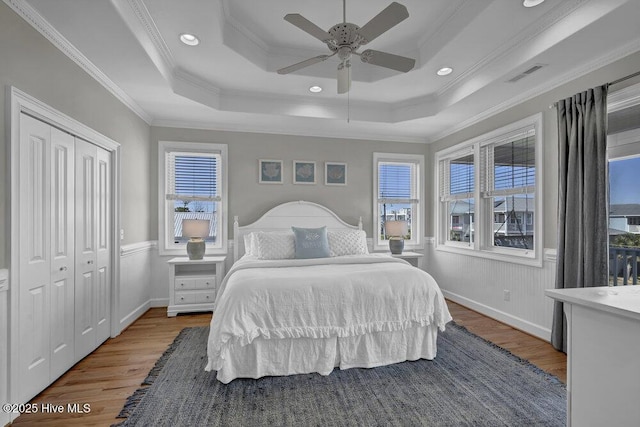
[[345, 38]]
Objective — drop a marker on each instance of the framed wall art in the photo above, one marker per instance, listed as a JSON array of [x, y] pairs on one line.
[[335, 173], [304, 172], [269, 171]]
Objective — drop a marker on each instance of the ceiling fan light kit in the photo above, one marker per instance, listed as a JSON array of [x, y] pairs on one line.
[[345, 38]]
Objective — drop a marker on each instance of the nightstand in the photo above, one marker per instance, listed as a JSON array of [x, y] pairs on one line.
[[193, 284], [413, 258]]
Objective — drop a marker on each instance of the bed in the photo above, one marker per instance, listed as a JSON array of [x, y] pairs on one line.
[[282, 309]]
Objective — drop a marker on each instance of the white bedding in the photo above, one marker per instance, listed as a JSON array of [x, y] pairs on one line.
[[265, 303]]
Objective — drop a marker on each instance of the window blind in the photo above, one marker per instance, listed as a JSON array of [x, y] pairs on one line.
[[457, 178], [396, 182], [193, 176], [511, 165]]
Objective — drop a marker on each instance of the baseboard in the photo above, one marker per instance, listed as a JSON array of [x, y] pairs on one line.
[[159, 302], [516, 322], [134, 315]]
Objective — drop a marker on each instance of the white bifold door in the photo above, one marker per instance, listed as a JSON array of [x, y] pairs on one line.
[[64, 278]]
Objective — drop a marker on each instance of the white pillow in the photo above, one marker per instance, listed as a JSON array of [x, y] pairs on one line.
[[347, 242], [249, 245], [274, 245]]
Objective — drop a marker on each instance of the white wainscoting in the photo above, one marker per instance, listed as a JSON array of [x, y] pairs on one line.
[[480, 284], [4, 343], [136, 262]]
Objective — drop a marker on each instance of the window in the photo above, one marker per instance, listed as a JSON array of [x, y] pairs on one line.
[[488, 189], [192, 186], [623, 150], [397, 197]]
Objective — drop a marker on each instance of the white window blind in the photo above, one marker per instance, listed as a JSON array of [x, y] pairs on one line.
[[193, 176], [510, 165], [457, 178], [396, 182]]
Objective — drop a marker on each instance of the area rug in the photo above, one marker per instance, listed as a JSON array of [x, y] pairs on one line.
[[471, 382]]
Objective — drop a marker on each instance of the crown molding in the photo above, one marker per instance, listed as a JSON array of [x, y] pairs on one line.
[[322, 131], [33, 18], [614, 55]]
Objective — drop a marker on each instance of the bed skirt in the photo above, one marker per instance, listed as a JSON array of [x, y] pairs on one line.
[[276, 357]]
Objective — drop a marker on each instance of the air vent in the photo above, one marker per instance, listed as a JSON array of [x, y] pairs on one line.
[[526, 73]]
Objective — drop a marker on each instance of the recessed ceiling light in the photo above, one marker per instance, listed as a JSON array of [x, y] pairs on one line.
[[189, 39], [444, 71], [531, 3], [315, 89]]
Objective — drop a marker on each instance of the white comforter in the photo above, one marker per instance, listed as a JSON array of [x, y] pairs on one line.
[[320, 298]]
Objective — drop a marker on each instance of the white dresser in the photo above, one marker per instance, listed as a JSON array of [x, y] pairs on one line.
[[603, 355], [193, 284]]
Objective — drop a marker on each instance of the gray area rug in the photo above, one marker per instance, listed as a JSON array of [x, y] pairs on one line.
[[470, 383]]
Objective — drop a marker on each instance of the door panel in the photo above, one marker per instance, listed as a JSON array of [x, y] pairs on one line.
[[103, 255], [85, 229], [62, 252], [35, 265]]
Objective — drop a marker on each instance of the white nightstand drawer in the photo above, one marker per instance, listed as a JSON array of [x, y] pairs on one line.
[[202, 297], [184, 297], [206, 283], [185, 283]]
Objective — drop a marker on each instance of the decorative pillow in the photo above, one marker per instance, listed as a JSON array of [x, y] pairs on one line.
[[311, 242], [273, 245], [249, 244], [347, 242]]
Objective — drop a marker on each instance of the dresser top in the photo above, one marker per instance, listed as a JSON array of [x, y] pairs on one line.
[[620, 300]]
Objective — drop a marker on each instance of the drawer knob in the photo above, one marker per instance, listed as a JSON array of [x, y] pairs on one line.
[[181, 298], [207, 296]]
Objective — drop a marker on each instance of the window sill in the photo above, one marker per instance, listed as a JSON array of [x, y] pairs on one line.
[[532, 261]]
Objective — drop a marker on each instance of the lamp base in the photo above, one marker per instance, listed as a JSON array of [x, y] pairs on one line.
[[396, 246], [195, 249]]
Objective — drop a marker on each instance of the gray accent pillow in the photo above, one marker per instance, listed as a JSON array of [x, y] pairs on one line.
[[311, 242]]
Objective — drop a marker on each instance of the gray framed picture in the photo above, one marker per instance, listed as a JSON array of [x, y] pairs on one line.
[[304, 172], [335, 173], [270, 171]]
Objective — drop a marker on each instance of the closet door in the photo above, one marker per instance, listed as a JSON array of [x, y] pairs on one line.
[[46, 289], [103, 246], [62, 253], [93, 245], [35, 262], [86, 251]]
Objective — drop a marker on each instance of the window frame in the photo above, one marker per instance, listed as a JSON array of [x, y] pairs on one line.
[[164, 246], [417, 231], [482, 245]]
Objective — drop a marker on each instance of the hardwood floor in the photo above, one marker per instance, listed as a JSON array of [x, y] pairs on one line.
[[110, 374]]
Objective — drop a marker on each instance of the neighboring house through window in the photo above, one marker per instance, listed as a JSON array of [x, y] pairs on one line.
[[193, 185], [398, 196], [489, 194]]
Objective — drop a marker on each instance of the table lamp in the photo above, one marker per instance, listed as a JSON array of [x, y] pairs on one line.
[[196, 230], [396, 230]]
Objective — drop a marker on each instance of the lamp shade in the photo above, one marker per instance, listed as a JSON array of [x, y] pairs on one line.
[[195, 228], [396, 228]]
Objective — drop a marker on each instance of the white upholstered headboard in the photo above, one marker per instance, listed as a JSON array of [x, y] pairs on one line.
[[286, 215]]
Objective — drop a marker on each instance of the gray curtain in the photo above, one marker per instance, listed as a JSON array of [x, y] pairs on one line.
[[583, 198]]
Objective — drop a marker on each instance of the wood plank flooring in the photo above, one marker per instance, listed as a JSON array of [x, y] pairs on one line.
[[110, 374]]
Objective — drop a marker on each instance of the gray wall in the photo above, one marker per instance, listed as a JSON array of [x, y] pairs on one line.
[[541, 103], [32, 64], [249, 199]]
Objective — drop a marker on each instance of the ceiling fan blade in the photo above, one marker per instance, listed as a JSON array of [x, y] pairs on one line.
[[388, 18], [305, 63], [388, 60], [307, 26], [344, 77]]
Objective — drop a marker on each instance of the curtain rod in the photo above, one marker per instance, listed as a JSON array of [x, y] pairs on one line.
[[620, 80]]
